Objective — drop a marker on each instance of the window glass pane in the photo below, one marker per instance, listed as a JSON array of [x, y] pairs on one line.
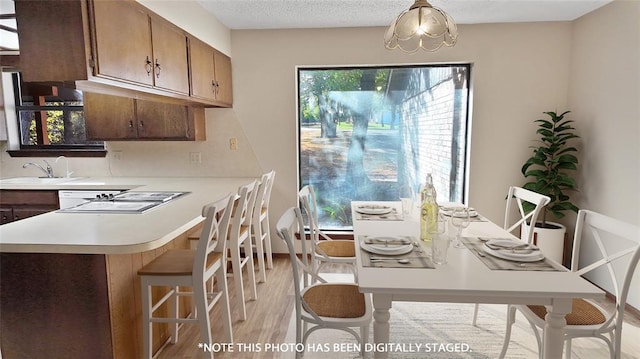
[[374, 133], [51, 115]]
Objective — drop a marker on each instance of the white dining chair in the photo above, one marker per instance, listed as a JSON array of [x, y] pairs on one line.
[[177, 268], [240, 248], [322, 305], [260, 231], [617, 245], [324, 249], [517, 196]]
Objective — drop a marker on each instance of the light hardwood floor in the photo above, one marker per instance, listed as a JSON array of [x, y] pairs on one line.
[[268, 318]]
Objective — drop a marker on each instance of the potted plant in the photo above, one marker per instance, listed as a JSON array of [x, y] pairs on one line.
[[550, 171]]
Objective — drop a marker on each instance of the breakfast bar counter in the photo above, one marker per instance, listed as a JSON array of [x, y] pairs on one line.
[[112, 233], [68, 281]]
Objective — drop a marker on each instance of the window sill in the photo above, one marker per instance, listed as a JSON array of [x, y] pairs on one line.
[[58, 152]]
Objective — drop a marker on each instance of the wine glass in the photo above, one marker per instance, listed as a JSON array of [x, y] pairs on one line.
[[460, 219]]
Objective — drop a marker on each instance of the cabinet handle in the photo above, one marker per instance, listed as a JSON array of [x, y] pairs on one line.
[[148, 66], [157, 69], [141, 123], [130, 124], [216, 87]]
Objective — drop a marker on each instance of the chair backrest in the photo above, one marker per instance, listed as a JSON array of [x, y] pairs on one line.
[[307, 199], [263, 194], [241, 215], [618, 245], [214, 232], [519, 195], [290, 223], [252, 194]]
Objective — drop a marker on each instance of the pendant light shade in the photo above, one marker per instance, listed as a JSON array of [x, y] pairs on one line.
[[422, 26]]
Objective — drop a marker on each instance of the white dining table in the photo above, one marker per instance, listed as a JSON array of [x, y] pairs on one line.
[[463, 279]]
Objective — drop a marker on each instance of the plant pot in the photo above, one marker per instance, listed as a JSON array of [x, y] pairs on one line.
[[550, 240]]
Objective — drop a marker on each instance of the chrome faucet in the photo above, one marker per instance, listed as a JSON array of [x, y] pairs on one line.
[[48, 171]]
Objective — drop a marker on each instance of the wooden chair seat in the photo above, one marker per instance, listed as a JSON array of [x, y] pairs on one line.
[[335, 300], [176, 262], [337, 248], [615, 247], [321, 305], [583, 313]]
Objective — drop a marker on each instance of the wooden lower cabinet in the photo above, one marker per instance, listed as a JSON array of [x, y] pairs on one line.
[[19, 204], [77, 305]]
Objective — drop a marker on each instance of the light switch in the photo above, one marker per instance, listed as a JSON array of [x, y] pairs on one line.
[[233, 143]]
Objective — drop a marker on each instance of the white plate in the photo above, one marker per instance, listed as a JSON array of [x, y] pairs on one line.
[[392, 250], [374, 210], [518, 256]]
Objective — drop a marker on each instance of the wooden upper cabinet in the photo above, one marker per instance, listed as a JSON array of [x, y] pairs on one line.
[[224, 93], [52, 40], [119, 45], [110, 117], [161, 120], [210, 74], [170, 65], [203, 72], [122, 35]]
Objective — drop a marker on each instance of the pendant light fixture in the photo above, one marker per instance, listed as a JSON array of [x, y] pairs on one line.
[[422, 26]]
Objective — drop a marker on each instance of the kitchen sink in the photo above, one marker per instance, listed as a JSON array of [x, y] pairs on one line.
[[36, 180]]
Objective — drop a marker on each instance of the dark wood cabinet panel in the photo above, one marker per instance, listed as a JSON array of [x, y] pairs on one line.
[[19, 204], [52, 40]]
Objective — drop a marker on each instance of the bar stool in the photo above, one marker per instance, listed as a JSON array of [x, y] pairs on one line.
[[260, 231], [241, 251], [188, 268]]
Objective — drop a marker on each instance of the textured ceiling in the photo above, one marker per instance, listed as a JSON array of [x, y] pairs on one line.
[[286, 14]]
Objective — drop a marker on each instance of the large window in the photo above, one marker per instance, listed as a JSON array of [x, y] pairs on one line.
[[50, 117], [373, 133]]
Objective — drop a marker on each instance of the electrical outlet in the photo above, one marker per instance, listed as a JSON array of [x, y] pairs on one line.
[[117, 155], [195, 157], [233, 144]]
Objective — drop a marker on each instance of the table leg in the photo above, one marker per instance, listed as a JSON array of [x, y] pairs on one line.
[[381, 305], [555, 322]]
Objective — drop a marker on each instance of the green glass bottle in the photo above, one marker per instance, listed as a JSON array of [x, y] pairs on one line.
[[429, 210]]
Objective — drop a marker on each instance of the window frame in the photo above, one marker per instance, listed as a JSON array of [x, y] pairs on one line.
[[465, 134], [18, 149]]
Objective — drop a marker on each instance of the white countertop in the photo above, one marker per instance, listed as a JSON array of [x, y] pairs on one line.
[[110, 233]]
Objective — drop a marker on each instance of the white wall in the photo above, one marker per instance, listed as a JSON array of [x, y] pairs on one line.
[[604, 94]]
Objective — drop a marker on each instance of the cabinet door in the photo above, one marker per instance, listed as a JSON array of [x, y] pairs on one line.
[[202, 70], [6, 215], [52, 40], [224, 90], [161, 120], [122, 36], [170, 57], [109, 117]]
